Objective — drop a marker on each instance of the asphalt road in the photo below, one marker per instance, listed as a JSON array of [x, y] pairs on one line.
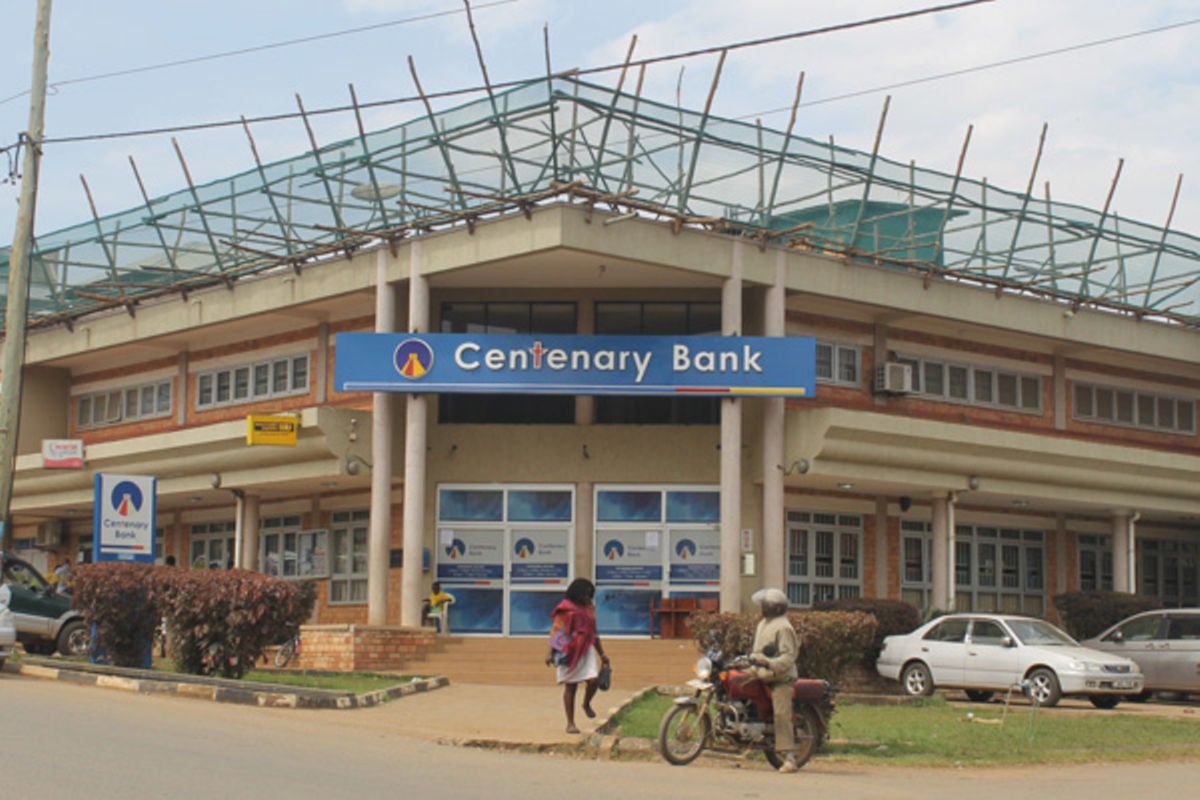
[[62, 740]]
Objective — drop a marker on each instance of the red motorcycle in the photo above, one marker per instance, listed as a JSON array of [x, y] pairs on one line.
[[730, 710]]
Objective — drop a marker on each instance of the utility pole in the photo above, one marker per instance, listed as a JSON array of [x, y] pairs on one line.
[[12, 368]]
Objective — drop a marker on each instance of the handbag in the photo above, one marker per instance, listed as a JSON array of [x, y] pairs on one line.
[[604, 679]]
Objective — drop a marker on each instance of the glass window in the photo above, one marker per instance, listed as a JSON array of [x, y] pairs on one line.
[[144, 401], [824, 557], [249, 382], [983, 386], [348, 578]]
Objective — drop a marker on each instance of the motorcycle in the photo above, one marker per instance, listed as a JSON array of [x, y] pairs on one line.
[[729, 709]]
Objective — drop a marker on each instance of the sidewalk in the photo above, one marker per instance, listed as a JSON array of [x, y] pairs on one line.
[[508, 717], [464, 714]]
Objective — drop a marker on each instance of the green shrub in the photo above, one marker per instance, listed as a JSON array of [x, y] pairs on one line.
[[1087, 614], [221, 621], [831, 642], [893, 617], [121, 600]]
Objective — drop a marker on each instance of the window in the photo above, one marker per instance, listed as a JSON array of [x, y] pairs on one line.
[[964, 383], [211, 545], [1134, 409], [348, 570], [514, 317], [916, 579], [143, 401], [657, 319], [278, 377], [287, 552], [837, 364], [995, 569], [824, 557], [1095, 562]]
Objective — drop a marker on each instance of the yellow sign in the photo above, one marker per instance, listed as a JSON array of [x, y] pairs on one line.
[[272, 429]]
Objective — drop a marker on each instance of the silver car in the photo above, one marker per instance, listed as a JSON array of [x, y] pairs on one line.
[[8, 629], [989, 653], [1165, 644]]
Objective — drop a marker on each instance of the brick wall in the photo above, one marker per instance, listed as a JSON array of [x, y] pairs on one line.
[[363, 648]]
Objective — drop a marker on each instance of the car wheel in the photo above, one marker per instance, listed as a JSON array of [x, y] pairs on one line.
[[1044, 687], [916, 680], [74, 639], [978, 695], [1105, 701]]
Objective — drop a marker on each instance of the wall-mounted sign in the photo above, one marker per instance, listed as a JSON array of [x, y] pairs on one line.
[[272, 429], [62, 453], [123, 524], [568, 364]]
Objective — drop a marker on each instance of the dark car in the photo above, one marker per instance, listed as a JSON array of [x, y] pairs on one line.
[[1164, 643], [44, 618]]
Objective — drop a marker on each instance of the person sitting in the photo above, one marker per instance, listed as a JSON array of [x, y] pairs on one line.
[[437, 608]]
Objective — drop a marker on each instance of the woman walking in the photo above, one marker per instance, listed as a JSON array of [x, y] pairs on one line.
[[575, 647]]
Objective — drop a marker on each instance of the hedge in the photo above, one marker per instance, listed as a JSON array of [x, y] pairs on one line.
[[831, 642]]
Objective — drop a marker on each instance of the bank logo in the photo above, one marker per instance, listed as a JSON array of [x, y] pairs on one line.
[[413, 359], [685, 549], [613, 549], [524, 548], [456, 550], [126, 498]]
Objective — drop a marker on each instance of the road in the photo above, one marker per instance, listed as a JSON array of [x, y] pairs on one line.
[[62, 740]]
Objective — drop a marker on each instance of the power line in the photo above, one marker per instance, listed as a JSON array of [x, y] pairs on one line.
[[520, 82], [183, 62]]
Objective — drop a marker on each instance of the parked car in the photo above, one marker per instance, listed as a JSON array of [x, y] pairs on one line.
[[989, 653], [8, 628], [1165, 644], [44, 618]]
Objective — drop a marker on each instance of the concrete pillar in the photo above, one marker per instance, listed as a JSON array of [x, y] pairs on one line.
[[774, 547], [250, 516], [416, 433], [881, 548], [1124, 566], [731, 451], [379, 531], [943, 552]]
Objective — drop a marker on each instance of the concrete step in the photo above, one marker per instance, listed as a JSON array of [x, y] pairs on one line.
[[521, 661]]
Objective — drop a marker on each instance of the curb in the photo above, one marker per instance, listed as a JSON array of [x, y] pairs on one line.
[[219, 690]]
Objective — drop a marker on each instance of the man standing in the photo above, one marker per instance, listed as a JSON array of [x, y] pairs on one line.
[[775, 650]]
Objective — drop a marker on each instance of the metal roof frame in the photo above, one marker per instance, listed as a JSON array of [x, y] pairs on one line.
[[559, 138]]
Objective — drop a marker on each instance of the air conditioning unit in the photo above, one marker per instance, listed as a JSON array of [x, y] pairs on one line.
[[49, 533], [894, 378]]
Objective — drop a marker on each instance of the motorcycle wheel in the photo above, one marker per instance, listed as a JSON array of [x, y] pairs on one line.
[[807, 736], [683, 734]]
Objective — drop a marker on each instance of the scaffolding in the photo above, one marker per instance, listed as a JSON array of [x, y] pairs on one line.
[[560, 139]]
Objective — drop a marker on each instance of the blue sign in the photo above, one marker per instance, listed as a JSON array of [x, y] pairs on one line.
[[123, 524], [570, 364]]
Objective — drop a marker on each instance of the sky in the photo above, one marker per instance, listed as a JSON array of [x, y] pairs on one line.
[[1113, 80]]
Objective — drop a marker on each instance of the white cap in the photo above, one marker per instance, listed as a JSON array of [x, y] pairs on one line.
[[772, 596]]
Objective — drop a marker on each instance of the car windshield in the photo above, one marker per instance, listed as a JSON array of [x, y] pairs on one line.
[[1038, 632]]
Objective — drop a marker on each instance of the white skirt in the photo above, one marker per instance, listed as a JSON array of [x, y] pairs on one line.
[[587, 668]]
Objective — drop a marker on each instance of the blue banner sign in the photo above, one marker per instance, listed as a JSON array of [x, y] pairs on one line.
[[123, 523], [570, 364]]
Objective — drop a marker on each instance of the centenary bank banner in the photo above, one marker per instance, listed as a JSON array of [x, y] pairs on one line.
[[123, 523], [567, 364]]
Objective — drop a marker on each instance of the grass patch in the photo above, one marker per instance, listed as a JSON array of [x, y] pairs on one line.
[[935, 733], [356, 682]]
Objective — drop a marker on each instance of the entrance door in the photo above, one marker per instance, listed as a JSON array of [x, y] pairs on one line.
[[506, 555], [504, 580]]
